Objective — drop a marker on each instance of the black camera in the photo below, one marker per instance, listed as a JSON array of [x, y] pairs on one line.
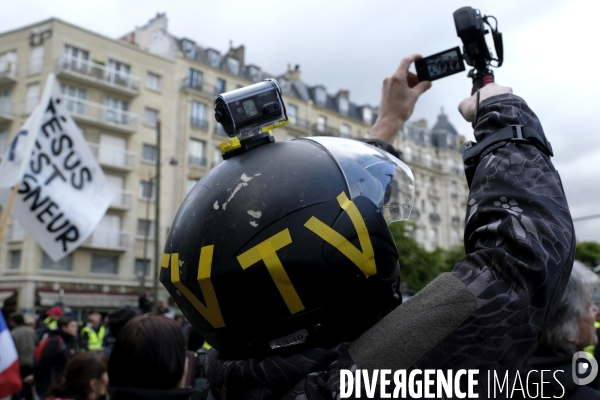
[[470, 27]]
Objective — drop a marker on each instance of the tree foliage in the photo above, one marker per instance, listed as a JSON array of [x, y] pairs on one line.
[[418, 266], [588, 253]]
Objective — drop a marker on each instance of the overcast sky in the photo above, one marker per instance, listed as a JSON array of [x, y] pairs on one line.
[[550, 50]]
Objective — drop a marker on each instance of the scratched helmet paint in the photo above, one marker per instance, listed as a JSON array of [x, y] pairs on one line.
[[287, 246]]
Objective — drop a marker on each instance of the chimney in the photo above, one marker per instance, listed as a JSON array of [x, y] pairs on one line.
[[237, 53], [293, 75]]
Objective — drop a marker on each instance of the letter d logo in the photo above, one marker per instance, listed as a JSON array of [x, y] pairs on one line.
[[584, 368]]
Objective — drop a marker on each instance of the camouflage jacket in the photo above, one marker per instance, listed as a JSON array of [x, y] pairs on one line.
[[487, 314]]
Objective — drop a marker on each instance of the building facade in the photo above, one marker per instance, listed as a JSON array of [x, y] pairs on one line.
[[116, 91]]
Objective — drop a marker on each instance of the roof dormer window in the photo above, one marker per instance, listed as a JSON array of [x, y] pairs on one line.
[[320, 96], [189, 48], [254, 72], [343, 104], [367, 115], [233, 65], [214, 57]]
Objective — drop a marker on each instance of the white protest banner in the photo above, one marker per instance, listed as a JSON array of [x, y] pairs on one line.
[[63, 194]]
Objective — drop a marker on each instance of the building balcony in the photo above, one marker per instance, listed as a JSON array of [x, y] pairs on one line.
[[97, 75], [319, 130], [113, 157], [199, 123], [8, 74], [300, 125], [6, 110], [102, 116], [107, 240], [198, 161], [435, 217], [122, 200], [201, 88]]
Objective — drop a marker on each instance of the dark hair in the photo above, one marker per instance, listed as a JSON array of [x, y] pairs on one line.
[[64, 321], [118, 318], [17, 319], [148, 353], [79, 372]]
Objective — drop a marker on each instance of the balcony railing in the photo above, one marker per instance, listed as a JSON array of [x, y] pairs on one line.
[[300, 123], [415, 213], [100, 113], [108, 239], [198, 87], [99, 73], [122, 199], [199, 123], [8, 73], [194, 160], [113, 156], [321, 130]]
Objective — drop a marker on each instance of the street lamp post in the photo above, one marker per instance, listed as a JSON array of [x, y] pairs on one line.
[[156, 222]]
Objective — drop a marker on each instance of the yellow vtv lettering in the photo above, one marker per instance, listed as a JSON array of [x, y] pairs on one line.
[[365, 259], [267, 252], [211, 311]]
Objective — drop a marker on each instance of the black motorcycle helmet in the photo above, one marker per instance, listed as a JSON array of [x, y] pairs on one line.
[[287, 246]]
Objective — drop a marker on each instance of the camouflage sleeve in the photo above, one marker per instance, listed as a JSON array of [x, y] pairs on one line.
[[520, 245]]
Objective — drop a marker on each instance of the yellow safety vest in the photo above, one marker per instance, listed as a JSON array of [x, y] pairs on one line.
[[50, 323], [94, 338]]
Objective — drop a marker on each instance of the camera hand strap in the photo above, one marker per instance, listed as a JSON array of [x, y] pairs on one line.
[[474, 152]]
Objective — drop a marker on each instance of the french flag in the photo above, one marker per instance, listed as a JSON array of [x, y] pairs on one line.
[[10, 375]]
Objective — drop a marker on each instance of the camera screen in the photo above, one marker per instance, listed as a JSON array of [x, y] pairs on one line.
[[444, 64], [250, 107]]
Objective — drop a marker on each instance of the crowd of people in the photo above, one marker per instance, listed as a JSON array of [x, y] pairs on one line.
[[516, 302]]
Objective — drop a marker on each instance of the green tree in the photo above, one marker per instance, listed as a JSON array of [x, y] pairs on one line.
[[418, 266], [588, 253]]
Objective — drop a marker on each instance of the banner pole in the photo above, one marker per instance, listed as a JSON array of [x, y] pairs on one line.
[[8, 210]]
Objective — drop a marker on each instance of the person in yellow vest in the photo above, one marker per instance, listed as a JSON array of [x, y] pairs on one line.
[[92, 335], [53, 315]]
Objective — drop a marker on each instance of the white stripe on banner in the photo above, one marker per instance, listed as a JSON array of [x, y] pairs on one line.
[[8, 352]]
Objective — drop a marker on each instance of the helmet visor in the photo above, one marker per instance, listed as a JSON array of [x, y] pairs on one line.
[[373, 173]]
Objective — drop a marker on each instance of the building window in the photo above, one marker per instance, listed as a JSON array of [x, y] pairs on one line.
[[115, 110], [148, 152], [5, 103], [320, 96], [33, 95], [221, 84], [147, 190], [153, 81], [142, 267], [118, 73], [3, 140], [292, 112], [367, 115], [8, 63], [104, 264], [254, 73], [345, 131], [196, 152], [145, 227], [198, 115], [343, 104], [75, 98], [195, 79], [76, 59], [36, 62], [217, 157], [321, 124], [189, 49], [190, 184], [150, 116], [233, 65], [63, 264], [214, 58], [15, 259]]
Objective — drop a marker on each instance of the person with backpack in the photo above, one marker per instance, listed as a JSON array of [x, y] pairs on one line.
[[53, 353]]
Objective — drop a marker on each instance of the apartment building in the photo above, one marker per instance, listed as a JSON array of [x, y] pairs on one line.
[[116, 90]]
